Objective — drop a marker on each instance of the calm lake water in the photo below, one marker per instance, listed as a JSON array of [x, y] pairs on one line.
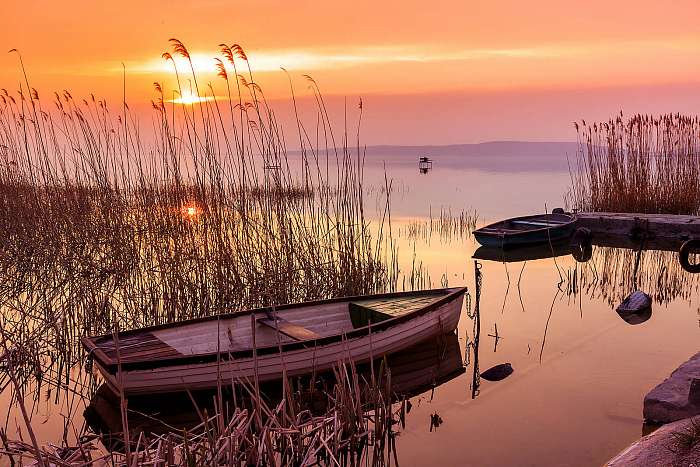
[[581, 372], [579, 402]]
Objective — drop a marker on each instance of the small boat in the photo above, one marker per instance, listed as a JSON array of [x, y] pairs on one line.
[[417, 369], [527, 230], [268, 342], [636, 308]]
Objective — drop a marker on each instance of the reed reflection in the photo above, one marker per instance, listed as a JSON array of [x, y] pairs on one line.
[[471, 353], [619, 266], [496, 373], [611, 268], [380, 387]]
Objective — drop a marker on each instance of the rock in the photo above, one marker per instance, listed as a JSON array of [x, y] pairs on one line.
[[635, 302], [694, 394], [498, 372], [677, 397], [660, 448]]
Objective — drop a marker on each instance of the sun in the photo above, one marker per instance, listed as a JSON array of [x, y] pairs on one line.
[[189, 98], [191, 210]]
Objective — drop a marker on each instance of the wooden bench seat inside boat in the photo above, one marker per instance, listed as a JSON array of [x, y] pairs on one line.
[[500, 230], [137, 347], [292, 330], [548, 223], [364, 312]]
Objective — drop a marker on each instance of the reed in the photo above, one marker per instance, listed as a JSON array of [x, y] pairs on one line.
[[104, 227], [358, 427], [646, 164], [448, 226]]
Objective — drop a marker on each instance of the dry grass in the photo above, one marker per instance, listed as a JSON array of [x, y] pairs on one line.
[[358, 428], [102, 228], [641, 164], [99, 228], [447, 225]]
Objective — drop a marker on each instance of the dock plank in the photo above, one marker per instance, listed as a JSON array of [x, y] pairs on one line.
[[671, 226]]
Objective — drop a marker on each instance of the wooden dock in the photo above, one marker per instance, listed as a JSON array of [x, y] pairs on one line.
[[664, 229]]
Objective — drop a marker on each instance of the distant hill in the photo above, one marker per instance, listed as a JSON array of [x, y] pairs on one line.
[[487, 149]]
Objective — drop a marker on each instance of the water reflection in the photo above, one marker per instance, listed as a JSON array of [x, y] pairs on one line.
[[419, 369], [621, 265], [471, 353], [496, 373], [526, 253], [612, 267], [635, 318], [582, 331]]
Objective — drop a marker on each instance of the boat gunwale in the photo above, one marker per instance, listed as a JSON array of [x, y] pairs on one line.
[[480, 230], [111, 364]]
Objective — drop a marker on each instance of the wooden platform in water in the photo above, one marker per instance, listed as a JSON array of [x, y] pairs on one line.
[[676, 228]]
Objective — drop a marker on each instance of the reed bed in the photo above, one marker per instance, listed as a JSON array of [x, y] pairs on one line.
[[447, 225], [102, 227], [358, 428], [646, 164], [105, 228]]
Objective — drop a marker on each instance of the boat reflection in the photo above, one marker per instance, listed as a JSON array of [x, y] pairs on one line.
[[416, 370], [525, 253], [580, 252]]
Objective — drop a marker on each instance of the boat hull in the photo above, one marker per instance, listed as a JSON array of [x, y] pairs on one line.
[[527, 231], [271, 366], [524, 238]]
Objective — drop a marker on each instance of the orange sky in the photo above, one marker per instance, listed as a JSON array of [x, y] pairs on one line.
[[429, 72]]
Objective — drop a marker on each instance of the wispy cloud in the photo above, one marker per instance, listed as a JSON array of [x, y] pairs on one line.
[[310, 60], [272, 60]]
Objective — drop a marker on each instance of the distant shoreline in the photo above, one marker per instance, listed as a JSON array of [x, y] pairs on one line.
[[499, 156], [496, 148]]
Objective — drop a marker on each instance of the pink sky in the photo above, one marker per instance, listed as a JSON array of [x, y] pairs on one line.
[[429, 73]]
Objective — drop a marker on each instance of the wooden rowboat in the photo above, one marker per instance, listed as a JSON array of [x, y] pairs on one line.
[[414, 370], [296, 338], [527, 230]]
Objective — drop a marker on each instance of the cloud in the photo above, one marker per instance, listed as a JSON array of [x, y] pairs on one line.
[[273, 60]]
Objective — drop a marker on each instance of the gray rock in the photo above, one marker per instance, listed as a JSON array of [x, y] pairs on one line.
[[498, 372], [659, 448], [678, 397]]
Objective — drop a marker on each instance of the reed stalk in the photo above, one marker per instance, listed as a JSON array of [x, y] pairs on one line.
[[103, 228], [645, 164]]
